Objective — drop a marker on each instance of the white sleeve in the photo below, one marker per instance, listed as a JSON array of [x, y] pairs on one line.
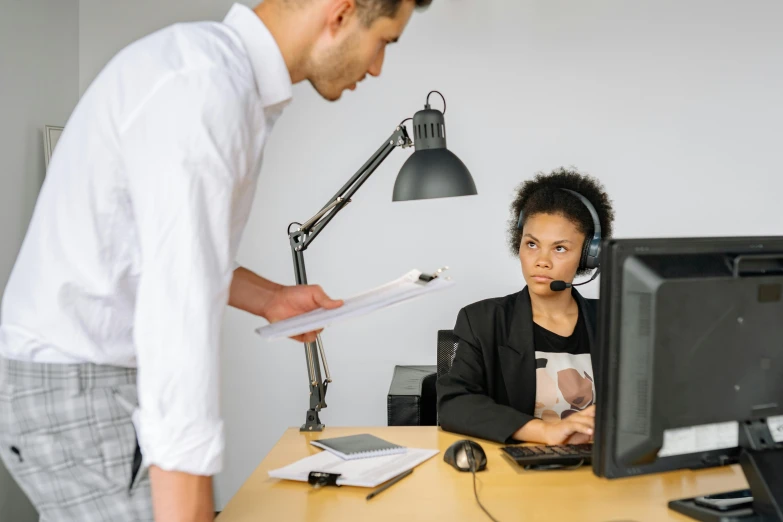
[[184, 157]]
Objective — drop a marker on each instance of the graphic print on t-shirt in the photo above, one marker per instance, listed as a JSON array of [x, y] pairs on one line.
[[564, 384]]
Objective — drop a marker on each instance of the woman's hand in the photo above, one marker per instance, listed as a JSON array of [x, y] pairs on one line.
[[574, 429]]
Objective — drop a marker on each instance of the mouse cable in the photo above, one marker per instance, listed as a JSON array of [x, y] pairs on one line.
[[475, 492]]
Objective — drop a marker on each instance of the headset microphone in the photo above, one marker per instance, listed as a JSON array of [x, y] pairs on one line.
[[559, 286]]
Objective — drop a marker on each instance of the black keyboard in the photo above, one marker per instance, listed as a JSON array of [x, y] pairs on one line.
[[567, 455]]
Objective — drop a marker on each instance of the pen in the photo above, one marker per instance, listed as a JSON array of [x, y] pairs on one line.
[[390, 483]]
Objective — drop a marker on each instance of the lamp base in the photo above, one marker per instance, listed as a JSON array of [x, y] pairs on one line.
[[313, 422]]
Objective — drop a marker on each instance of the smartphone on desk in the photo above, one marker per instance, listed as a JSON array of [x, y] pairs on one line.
[[726, 501]]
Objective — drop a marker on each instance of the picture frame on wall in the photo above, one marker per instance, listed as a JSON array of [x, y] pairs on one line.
[[51, 135]]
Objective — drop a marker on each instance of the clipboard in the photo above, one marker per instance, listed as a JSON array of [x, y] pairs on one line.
[[411, 285]]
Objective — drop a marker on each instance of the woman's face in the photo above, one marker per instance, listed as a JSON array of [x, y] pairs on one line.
[[550, 250]]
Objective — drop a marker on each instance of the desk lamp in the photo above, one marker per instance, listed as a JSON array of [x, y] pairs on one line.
[[432, 171]]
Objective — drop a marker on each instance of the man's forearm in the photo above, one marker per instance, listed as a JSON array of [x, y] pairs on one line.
[[181, 497], [250, 291]]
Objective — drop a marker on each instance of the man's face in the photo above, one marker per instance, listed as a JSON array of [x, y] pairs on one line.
[[353, 50]]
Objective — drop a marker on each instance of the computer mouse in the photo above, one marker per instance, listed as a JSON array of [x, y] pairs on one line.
[[464, 455]]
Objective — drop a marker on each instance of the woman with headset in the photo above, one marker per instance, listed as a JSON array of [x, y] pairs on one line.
[[522, 369]]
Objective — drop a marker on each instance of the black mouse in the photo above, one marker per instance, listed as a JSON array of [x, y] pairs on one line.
[[464, 455]]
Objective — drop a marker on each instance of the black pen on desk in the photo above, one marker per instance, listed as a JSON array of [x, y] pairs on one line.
[[390, 483]]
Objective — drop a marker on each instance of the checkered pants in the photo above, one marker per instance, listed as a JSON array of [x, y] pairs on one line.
[[67, 438]]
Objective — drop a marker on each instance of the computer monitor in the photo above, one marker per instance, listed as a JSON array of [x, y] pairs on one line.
[[690, 334]]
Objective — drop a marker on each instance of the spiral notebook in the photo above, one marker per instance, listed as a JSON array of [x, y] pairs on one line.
[[358, 446]]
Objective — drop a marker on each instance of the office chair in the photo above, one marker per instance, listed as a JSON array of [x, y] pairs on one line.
[[412, 399], [447, 349]]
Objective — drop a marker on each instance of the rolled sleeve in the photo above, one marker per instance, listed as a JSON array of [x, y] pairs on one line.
[[182, 173]]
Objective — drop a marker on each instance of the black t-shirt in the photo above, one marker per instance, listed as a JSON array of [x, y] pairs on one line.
[[564, 372], [546, 341]]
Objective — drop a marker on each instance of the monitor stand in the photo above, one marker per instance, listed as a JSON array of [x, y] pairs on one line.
[[761, 459]]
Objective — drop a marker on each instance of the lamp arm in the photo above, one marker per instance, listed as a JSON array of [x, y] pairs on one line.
[[312, 227], [301, 238]]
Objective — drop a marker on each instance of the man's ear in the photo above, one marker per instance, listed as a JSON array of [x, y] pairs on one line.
[[339, 14]]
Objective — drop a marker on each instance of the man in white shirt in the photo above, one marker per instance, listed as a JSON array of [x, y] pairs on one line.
[[112, 315]]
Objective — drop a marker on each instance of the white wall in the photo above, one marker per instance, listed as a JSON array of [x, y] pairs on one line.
[[675, 106], [38, 86]]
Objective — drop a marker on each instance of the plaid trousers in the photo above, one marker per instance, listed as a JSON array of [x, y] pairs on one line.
[[67, 438]]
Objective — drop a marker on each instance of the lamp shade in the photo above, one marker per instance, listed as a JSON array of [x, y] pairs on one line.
[[432, 171]]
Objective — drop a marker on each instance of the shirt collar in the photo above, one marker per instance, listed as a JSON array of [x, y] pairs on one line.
[[272, 77]]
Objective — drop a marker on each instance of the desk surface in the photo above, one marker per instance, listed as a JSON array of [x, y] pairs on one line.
[[435, 491]]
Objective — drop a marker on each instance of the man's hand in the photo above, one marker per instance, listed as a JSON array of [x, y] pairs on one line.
[[289, 301], [574, 429], [252, 293]]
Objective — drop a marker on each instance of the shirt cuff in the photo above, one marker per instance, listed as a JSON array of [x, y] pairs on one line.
[[235, 265], [181, 444]]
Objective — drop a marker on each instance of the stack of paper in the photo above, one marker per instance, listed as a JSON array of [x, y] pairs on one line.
[[367, 473]]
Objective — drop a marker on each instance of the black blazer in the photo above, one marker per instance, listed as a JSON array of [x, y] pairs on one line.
[[490, 391]]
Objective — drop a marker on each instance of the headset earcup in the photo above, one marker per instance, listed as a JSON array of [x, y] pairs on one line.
[[583, 259], [592, 254]]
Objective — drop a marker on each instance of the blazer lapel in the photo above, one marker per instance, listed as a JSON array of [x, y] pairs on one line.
[[517, 357]]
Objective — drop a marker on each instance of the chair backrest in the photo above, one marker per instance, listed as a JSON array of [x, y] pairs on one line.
[[447, 349]]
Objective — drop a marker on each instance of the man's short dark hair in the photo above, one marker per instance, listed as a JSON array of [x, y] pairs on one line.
[[542, 195], [371, 10]]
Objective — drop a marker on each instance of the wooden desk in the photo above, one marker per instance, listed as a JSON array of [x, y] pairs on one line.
[[436, 492]]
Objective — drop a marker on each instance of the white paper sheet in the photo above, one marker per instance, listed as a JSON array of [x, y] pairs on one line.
[[403, 289], [697, 439], [709, 437], [366, 473], [775, 425]]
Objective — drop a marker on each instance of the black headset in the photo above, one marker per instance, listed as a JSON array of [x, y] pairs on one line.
[[591, 251]]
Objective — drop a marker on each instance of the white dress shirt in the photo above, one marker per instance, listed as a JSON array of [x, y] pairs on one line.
[[129, 255]]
